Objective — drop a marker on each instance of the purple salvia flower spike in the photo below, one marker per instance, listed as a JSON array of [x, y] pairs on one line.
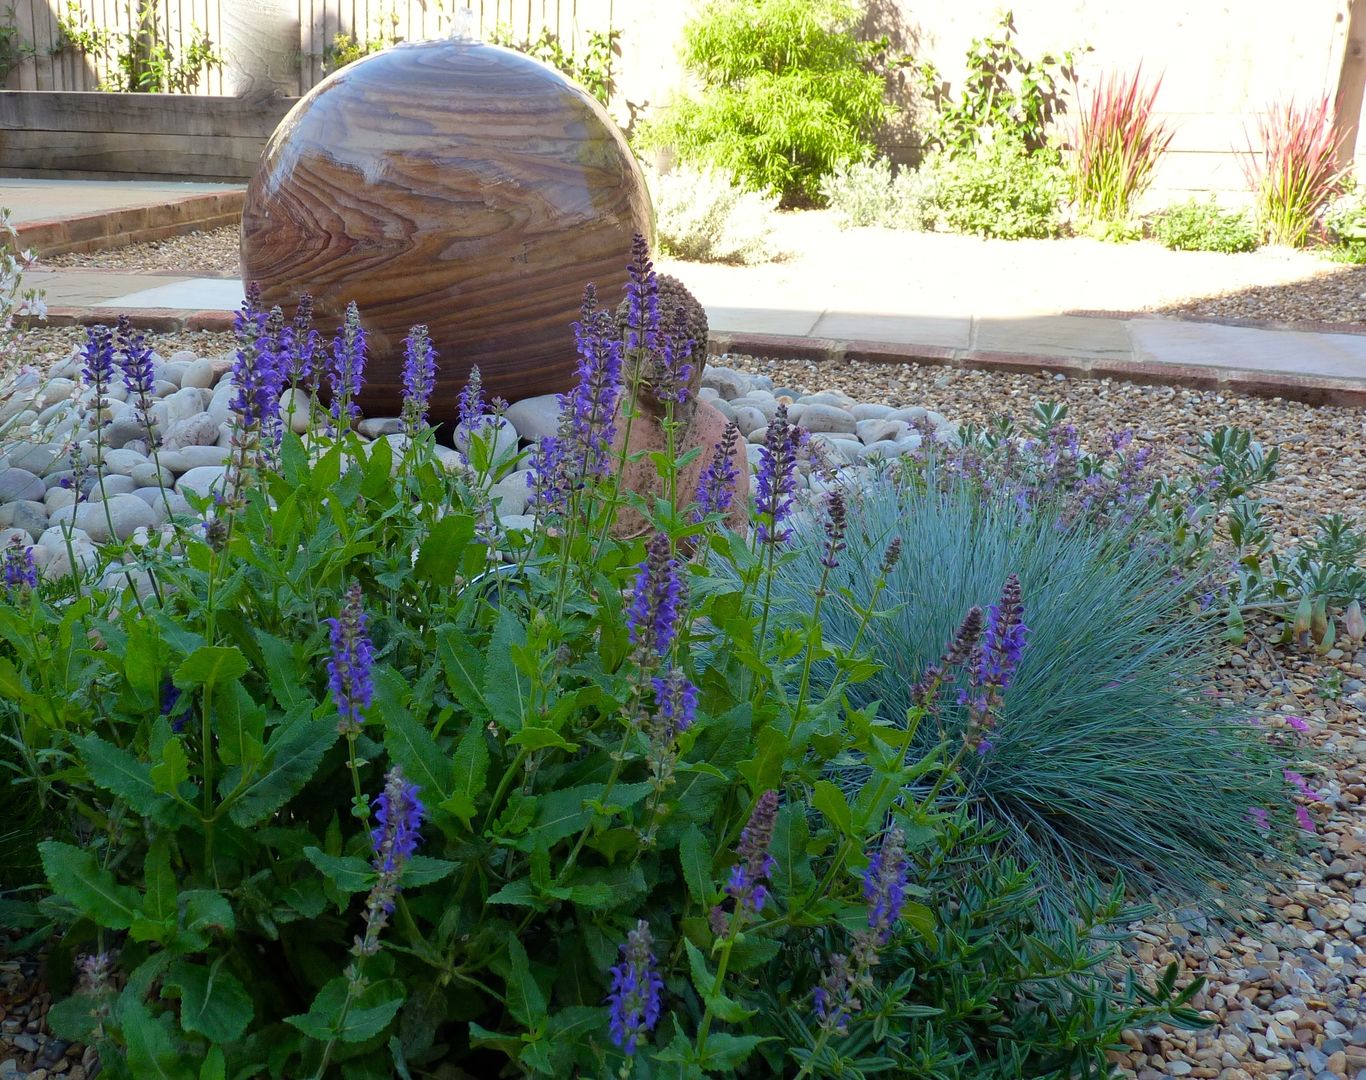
[[748, 883], [636, 990], [98, 355], [346, 374], [716, 489], [399, 813], [776, 479], [884, 884], [20, 573], [657, 601], [256, 372], [419, 377], [349, 668], [676, 699]]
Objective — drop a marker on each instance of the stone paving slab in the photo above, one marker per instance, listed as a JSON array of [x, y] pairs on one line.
[[952, 333], [41, 200], [194, 294], [1063, 335], [1215, 345]]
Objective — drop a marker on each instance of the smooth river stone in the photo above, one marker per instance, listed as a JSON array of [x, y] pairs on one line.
[[456, 184]]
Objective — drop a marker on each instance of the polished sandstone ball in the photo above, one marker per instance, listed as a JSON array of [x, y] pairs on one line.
[[451, 183]]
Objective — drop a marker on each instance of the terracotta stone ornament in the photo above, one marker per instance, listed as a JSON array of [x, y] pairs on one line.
[[452, 183]]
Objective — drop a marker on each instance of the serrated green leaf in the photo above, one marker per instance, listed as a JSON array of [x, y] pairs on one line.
[[117, 771], [694, 854], [505, 688], [347, 872], [830, 801], [792, 873], [424, 870], [213, 1003], [438, 558], [378, 469], [462, 662], [725, 1051], [152, 1052], [159, 902], [525, 1000], [470, 768], [291, 759], [409, 743], [765, 769], [540, 738], [215, 1066], [517, 893], [209, 666], [76, 876], [173, 769], [367, 1013], [283, 671], [564, 812]]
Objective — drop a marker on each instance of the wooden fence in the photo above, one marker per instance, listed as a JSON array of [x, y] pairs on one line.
[[44, 64]]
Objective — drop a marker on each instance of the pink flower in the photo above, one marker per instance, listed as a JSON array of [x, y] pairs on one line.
[[1261, 816], [1297, 723], [1305, 819], [1299, 783]]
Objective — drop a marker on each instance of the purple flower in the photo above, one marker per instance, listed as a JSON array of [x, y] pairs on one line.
[[98, 355], [1305, 819], [959, 650], [135, 361], [676, 699], [884, 884], [471, 413], [716, 489], [777, 478], [419, 378], [636, 990], [657, 601], [21, 575], [546, 476], [399, 813], [1003, 638], [749, 877], [642, 298], [1260, 816], [836, 521], [170, 705], [834, 998], [1299, 783], [588, 412], [346, 374], [299, 343], [256, 371], [348, 669], [1297, 723]]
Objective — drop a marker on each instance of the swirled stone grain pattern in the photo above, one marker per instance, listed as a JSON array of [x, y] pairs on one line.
[[451, 183]]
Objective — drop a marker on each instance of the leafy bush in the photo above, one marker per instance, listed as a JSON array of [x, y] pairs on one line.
[[143, 61], [1005, 95], [1295, 172], [703, 215], [1205, 227], [1107, 708], [593, 70], [869, 193], [789, 91], [1001, 191], [1345, 216], [1119, 143], [336, 791]]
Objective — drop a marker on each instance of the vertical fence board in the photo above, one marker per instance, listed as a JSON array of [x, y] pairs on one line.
[[23, 77]]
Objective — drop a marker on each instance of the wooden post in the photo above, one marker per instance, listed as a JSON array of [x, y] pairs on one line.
[[1351, 84]]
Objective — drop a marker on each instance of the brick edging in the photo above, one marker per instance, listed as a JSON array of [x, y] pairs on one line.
[[1310, 389], [106, 229]]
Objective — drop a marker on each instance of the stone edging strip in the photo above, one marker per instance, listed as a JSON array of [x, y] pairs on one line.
[[1251, 324], [131, 225], [1310, 389]]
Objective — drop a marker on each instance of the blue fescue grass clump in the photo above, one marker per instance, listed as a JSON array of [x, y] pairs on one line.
[[1111, 756]]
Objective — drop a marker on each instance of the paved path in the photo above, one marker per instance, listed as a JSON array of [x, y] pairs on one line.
[[1311, 365], [43, 200]]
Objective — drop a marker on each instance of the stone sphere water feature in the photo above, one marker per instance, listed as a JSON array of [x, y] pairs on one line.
[[452, 183]]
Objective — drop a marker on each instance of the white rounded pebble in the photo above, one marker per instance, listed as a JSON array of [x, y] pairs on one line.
[[203, 480]]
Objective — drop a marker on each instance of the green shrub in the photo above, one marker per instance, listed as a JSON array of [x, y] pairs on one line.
[[1205, 227], [788, 92], [869, 193], [1107, 716], [611, 757], [1001, 191], [703, 215], [593, 70], [1345, 216], [1005, 94]]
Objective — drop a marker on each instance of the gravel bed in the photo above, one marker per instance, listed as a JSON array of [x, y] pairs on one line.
[[1284, 989], [215, 251], [1338, 295]]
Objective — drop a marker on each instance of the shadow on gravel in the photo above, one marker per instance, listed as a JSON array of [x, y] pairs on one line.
[[1338, 296]]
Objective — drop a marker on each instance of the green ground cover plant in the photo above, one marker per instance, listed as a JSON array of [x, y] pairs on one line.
[[702, 214], [1002, 191], [1198, 226], [871, 193], [329, 790], [788, 92]]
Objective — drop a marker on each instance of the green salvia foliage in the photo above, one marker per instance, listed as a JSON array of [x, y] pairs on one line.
[[207, 842], [1205, 226], [789, 92]]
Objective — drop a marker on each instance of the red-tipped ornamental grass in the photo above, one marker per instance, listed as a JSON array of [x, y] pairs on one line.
[[1296, 170], [1119, 141]]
